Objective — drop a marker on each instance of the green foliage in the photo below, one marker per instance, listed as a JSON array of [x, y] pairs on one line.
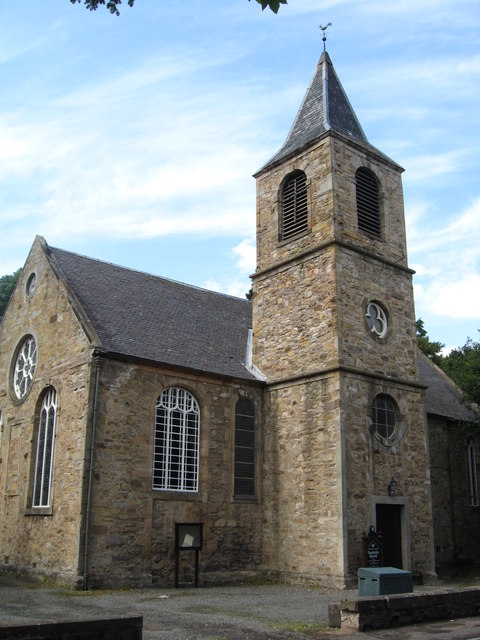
[[462, 365], [274, 5], [112, 5], [430, 349], [7, 285]]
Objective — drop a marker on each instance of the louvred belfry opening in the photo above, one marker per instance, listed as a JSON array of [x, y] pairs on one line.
[[368, 202], [294, 206]]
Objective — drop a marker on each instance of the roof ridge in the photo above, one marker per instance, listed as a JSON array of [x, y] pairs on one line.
[[148, 274]]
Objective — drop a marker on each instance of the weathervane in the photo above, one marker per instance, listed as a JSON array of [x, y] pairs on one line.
[[324, 29]]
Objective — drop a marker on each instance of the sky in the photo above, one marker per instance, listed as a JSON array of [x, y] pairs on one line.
[[133, 139]]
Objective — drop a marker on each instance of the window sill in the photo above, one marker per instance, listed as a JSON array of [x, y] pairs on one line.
[[39, 511], [246, 499], [184, 496]]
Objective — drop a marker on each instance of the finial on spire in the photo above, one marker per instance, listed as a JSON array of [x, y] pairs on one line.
[[324, 29]]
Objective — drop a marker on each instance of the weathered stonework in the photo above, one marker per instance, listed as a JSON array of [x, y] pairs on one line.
[[324, 369], [456, 522], [132, 538], [44, 543]]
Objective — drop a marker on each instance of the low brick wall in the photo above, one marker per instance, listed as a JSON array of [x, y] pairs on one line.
[[110, 629], [380, 612]]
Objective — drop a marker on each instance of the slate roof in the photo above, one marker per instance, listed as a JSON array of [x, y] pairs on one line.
[[325, 107], [443, 398], [143, 316]]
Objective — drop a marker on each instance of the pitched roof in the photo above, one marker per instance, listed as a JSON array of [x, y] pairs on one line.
[[443, 397], [325, 107], [138, 315]]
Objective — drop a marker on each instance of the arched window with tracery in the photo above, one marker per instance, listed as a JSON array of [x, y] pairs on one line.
[[42, 480], [176, 441]]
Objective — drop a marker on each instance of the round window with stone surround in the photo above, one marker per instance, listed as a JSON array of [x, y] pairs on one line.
[[24, 367], [386, 424], [377, 319]]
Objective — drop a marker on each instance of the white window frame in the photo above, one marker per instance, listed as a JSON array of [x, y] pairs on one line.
[[25, 365], [472, 473], [42, 482], [384, 430], [176, 441]]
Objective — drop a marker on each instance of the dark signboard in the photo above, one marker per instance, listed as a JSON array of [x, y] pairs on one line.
[[373, 549]]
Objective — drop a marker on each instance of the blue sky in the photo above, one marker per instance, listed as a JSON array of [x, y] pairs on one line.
[[133, 139]]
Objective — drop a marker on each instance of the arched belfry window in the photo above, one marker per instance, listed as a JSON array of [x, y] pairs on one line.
[[293, 206], [368, 202]]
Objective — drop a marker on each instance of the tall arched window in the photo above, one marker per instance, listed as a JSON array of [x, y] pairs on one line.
[[368, 202], [42, 482], [472, 473], [176, 445], [294, 210], [244, 475]]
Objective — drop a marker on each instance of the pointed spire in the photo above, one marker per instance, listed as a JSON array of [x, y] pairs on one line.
[[324, 108]]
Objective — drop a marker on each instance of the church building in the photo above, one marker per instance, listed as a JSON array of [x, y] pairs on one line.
[[279, 429]]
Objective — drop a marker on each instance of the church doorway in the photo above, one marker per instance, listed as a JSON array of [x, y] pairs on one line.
[[389, 524]]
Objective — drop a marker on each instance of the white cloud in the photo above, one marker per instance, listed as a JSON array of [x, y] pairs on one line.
[[458, 299], [247, 255]]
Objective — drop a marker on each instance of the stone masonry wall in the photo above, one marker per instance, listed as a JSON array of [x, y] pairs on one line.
[[360, 280], [132, 533], [456, 522], [294, 322], [370, 465], [46, 543], [303, 482]]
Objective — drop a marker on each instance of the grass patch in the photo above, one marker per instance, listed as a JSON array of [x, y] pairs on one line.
[[301, 627]]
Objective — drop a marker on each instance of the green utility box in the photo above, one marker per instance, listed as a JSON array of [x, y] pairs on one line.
[[380, 581]]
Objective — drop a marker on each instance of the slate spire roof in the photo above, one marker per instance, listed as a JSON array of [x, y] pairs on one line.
[[325, 107]]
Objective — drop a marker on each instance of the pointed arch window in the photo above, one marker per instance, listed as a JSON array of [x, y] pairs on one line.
[[472, 473], [42, 482], [368, 202], [294, 209], [176, 442], [244, 475]]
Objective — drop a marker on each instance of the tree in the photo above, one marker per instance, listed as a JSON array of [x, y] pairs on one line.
[[430, 349], [462, 365], [112, 5], [7, 285]]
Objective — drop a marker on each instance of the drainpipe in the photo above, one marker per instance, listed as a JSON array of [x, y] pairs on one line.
[[96, 360]]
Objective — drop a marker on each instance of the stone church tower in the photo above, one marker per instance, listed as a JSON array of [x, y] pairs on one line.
[[345, 439]]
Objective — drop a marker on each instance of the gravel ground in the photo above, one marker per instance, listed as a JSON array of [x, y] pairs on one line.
[[214, 613], [252, 612]]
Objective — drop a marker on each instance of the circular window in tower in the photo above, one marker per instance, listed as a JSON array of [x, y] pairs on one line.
[[386, 424], [24, 367], [377, 320]]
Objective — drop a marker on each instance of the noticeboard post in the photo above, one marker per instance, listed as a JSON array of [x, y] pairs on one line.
[[188, 537]]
